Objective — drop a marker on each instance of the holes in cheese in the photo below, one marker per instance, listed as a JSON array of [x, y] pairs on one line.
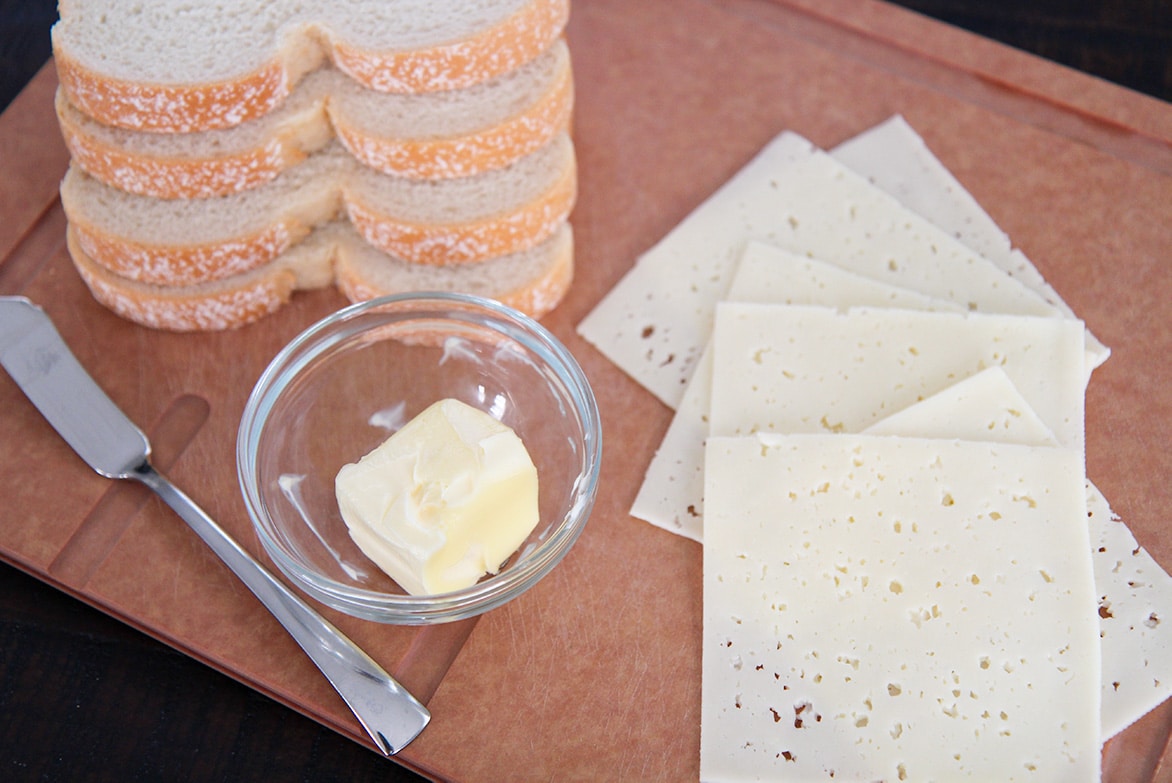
[[671, 493], [799, 198], [785, 368], [671, 301], [893, 157], [1136, 654], [938, 678]]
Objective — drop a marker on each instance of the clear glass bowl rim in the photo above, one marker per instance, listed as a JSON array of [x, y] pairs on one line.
[[488, 593]]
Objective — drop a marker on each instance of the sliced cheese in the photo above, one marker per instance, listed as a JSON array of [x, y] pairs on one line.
[[783, 368], [1135, 593], [768, 274], [671, 495], [882, 608], [986, 406], [655, 321], [896, 159], [1135, 610]]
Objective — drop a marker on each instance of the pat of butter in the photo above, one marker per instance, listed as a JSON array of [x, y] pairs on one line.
[[443, 501]]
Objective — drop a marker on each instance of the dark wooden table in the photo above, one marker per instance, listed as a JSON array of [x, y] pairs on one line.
[[83, 697]]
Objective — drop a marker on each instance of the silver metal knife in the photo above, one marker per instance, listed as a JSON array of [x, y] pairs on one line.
[[33, 353]]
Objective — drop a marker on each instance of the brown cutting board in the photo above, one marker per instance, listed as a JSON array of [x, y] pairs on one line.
[[594, 673]]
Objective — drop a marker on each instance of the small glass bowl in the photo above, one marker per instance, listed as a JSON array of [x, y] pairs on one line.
[[345, 384]]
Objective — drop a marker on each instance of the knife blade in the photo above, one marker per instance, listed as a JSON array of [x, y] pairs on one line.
[[34, 354]]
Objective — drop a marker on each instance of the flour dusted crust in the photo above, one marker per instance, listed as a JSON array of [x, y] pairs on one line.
[[463, 155], [211, 168], [181, 265], [188, 106], [325, 105], [181, 177], [496, 50], [183, 241], [208, 307], [172, 108], [533, 281], [543, 294], [468, 241]]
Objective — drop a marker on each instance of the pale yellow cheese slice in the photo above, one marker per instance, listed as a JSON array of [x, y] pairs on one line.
[[897, 609], [655, 321], [1135, 607], [784, 368], [671, 495], [896, 159], [985, 406], [1134, 592]]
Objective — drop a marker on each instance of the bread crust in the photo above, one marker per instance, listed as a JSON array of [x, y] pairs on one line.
[[462, 156], [174, 177], [252, 295], [508, 229], [472, 241], [185, 108], [536, 297], [171, 108], [185, 265], [170, 177], [196, 309], [543, 294], [494, 51]]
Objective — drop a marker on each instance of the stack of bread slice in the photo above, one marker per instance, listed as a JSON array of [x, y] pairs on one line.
[[225, 155]]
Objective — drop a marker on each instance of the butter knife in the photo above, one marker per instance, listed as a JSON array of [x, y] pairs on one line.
[[33, 353]]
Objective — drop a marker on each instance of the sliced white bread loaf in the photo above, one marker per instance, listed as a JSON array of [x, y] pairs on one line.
[[456, 133], [218, 304], [177, 66], [203, 163], [533, 281], [469, 219], [184, 241], [459, 133]]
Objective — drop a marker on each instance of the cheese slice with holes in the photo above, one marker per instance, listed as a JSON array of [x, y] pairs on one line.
[[897, 609], [896, 159], [654, 323], [671, 495], [782, 368], [1134, 592], [1135, 610], [984, 406]]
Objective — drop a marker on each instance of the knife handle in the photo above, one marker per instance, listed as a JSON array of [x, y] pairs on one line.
[[389, 713]]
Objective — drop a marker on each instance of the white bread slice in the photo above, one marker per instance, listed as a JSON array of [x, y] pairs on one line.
[[184, 241], [469, 219], [180, 242], [204, 163], [177, 66], [220, 304], [533, 281], [459, 133], [456, 133]]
